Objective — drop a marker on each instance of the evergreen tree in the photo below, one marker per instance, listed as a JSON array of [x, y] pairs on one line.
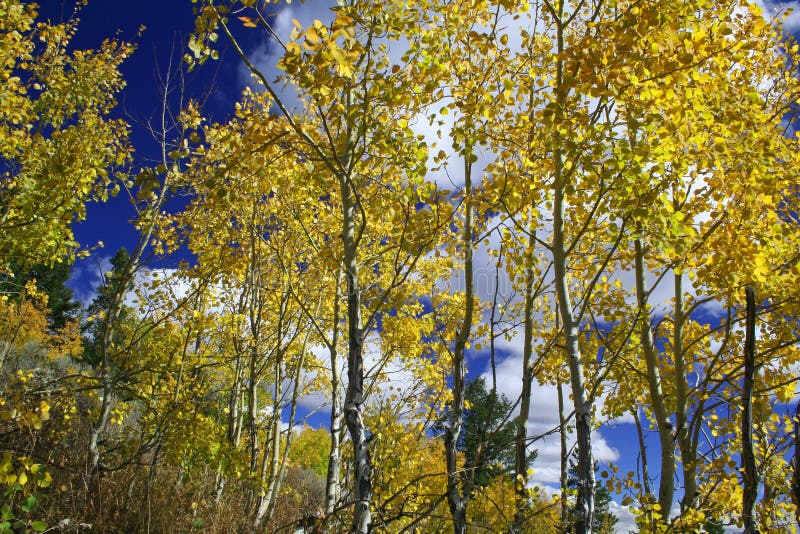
[[50, 280], [101, 305], [603, 520], [714, 526], [487, 422], [487, 434]]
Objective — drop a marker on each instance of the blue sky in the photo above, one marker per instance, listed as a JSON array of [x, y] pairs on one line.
[[167, 26]]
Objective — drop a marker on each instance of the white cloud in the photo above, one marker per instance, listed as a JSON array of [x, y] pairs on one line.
[[266, 55], [314, 402], [384, 377], [626, 521], [778, 9], [544, 419], [318, 400], [87, 277], [148, 284]]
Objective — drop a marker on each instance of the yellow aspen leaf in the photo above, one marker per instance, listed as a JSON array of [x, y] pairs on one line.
[[248, 22], [293, 48], [312, 35]]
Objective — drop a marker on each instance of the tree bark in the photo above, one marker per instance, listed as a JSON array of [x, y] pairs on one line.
[[666, 486], [795, 488], [521, 437], [585, 502], [681, 404], [271, 462], [750, 476], [455, 500], [252, 415], [642, 454], [584, 506], [354, 397], [563, 480], [334, 458], [234, 427]]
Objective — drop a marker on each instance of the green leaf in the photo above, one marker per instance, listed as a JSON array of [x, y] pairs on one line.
[[39, 526], [30, 504]]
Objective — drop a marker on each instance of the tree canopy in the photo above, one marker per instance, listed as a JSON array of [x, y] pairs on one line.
[[430, 259]]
